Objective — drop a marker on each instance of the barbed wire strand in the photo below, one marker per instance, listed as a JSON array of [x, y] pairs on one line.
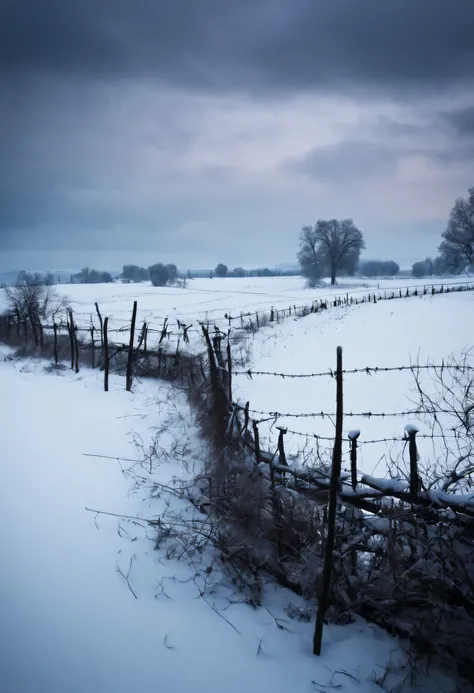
[[367, 370], [366, 415]]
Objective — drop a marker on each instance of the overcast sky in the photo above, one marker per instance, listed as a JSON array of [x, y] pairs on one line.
[[200, 131]]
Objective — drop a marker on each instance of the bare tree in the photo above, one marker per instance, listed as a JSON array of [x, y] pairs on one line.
[[309, 257], [221, 270], [36, 303], [457, 247], [338, 243]]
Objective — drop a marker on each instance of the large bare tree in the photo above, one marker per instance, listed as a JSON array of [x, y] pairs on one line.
[[457, 246], [310, 260], [333, 245]]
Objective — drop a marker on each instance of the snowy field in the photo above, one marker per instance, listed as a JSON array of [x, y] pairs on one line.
[[71, 622], [212, 299], [420, 330]]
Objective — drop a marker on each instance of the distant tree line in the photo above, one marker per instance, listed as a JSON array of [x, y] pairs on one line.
[[159, 274], [134, 273], [91, 276], [35, 279], [378, 268], [239, 272]]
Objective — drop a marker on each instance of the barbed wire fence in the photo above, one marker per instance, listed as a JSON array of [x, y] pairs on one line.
[[360, 514], [236, 428]]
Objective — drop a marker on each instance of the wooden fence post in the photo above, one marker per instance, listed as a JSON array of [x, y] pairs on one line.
[[92, 347], [106, 354], [246, 417], [76, 349], [276, 511], [256, 437], [129, 377], [55, 328], [353, 435], [229, 369], [411, 432], [323, 601], [281, 445], [70, 327], [101, 325]]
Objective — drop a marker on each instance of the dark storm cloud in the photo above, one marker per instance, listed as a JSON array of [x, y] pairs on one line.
[[462, 120], [97, 153], [345, 161], [250, 44]]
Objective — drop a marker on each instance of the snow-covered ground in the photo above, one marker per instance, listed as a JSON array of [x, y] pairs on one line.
[[70, 621], [212, 299], [391, 333]]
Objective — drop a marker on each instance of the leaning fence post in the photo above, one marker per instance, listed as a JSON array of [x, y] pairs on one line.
[[256, 438], [129, 378], [411, 432], [55, 328], [281, 445], [353, 435], [106, 355], [323, 601], [101, 325]]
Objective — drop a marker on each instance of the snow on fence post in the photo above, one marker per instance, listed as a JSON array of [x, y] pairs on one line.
[[323, 601], [411, 432], [106, 354], [353, 435]]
